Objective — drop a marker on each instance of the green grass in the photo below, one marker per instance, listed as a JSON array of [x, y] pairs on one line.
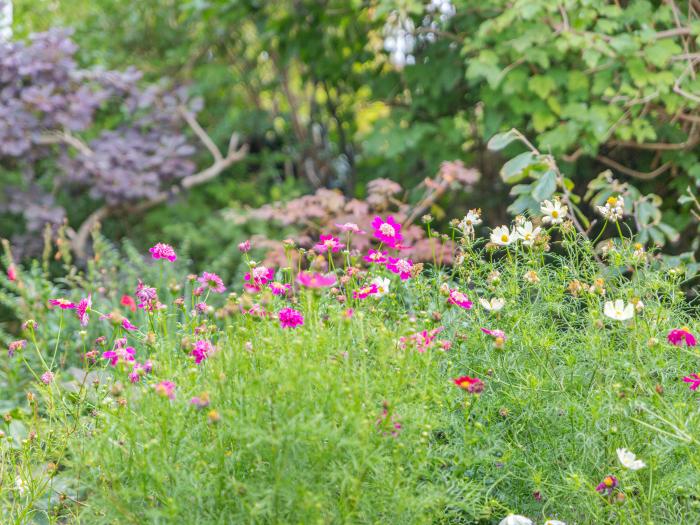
[[291, 433]]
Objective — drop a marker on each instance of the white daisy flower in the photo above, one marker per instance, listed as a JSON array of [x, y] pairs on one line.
[[527, 233], [502, 236], [553, 211], [618, 310], [495, 304], [629, 460]]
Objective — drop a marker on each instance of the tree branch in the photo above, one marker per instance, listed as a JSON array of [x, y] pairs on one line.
[[631, 172]]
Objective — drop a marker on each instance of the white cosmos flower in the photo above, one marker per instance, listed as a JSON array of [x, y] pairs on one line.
[[554, 212], [516, 519], [473, 218], [382, 284], [629, 460], [502, 236], [618, 310], [554, 522], [495, 304], [527, 233], [613, 210]]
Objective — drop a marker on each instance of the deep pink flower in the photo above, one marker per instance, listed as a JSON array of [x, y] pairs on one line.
[[259, 276], [350, 227], [212, 281], [376, 257], [126, 325], [365, 291], [129, 302], [693, 380], [165, 389], [11, 273], [82, 310], [139, 370], [607, 485], [47, 377], [63, 304], [328, 243], [16, 345], [473, 385], [278, 288], [201, 351], [244, 247], [387, 231], [681, 335], [494, 333], [290, 318], [316, 280], [460, 299], [163, 251], [402, 267], [424, 340], [119, 355]]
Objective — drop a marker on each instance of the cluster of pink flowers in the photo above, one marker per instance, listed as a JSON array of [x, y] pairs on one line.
[[290, 318], [425, 340], [163, 251], [316, 280], [201, 350], [120, 353]]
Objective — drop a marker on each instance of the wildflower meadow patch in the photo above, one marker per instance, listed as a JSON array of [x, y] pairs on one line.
[[533, 380]]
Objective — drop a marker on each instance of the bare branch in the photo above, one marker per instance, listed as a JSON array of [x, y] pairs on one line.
[[201, 134], [65, 137], [634, 173]]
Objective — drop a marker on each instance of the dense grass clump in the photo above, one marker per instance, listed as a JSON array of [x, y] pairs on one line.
[[371, 392]]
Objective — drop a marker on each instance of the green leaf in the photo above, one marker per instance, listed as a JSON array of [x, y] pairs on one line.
[[545, 186], [501, 140], [516, 169]]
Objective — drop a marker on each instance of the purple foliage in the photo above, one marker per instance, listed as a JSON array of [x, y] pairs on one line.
[[44, 95]]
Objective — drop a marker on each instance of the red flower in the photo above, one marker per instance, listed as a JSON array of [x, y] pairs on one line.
[[129, 302], [473, 385]]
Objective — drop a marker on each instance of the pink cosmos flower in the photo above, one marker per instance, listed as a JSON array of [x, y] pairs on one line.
[[693, 380], [165, 389], [607, 485], [350, 227], [11, 273], [328, 243], [278, 288], [681, 335], [201, 351], [257, 311], [63, 304], [316, 280], [47, 377], [259, 276], [473, 385], [212, 281], [16, 345], [376, 257], [82, 310], [119, 354], [126, 325], [387, 231], [163, 251], [201, 307], [290, 318], [494, 333], [402, 267], [129, 302], [365, 291], [244, 247], [460, 299]]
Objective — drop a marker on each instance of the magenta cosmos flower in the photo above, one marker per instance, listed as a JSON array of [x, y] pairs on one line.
[[607, 485], [388, 231], [290, 318], [163, 251], [278, 288], [201, 351], [259, 276], [376, 257], [693, 380], [402, 267], [212, 281], [328, 243], [459, 299], [63, 304], [680, 336], [82, 310], [316, 280], [120, 354], [165, 389], [473, 385], [365, 291]]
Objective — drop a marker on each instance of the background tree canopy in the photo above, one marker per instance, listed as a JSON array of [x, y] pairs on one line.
[[335, 93]]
